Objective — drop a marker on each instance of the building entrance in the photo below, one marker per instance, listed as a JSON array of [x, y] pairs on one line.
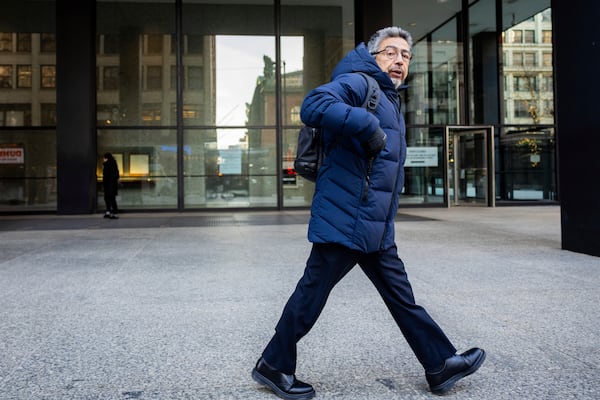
[[469, 166]]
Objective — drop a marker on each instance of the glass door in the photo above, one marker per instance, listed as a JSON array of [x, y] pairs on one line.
[[470, 166]]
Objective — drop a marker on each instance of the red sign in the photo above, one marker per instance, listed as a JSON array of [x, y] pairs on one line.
[[12, 155]]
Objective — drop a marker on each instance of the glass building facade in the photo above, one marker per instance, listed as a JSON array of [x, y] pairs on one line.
[[199, 100]]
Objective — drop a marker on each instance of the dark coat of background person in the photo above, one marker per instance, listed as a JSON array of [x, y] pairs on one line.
[[110, 177], [110, 180]]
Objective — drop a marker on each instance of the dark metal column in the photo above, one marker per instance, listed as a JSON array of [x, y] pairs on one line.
[[486, 91], [576, 63], [76, 106], [179, 84], [278, 111], [370, 18]]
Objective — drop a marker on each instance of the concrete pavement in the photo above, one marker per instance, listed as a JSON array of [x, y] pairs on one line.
[[180, 305]]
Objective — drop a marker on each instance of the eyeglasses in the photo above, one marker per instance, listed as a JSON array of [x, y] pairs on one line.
[[392, 52]]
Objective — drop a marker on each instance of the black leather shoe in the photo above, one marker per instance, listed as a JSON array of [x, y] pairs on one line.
[[455, 368], [285, 386]]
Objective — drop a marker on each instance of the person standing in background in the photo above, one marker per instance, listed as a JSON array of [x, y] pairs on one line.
[[110, 181]]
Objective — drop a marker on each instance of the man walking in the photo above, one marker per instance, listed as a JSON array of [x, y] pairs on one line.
[[352, 218]]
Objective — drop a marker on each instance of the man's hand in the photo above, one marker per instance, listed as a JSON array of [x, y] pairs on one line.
[[375, 144]]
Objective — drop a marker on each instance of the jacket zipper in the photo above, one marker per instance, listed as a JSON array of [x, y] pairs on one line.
[[367, 180], [389, 208], [399, 103]]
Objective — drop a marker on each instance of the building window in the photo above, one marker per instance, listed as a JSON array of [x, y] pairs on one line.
[[154, 44], [111, 44], [547, 36], [192, 112], [49, 114], [154, 78], [547, 57], [23, 76], [48, 75], [548, 107], [151, 114], [517, 36], [529, 59], [6, 42], [529, 36], [295, 115], [547, 83], [15, 114], [195, 80], [522, 109], [110, 78], [517, 58], [195, 44], [107, 114], [24, 42], [524, 83], [5, 76], [48, 43]]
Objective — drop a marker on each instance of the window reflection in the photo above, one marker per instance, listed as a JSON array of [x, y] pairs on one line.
[[28, 164], [6, 76], [239, 175], [435, 87], [244, 65], [24, 76], [48, 76], [48, 43], [147, 162], [134, 60], [228, 80], [528, 89], [6, 42], [23, 42]]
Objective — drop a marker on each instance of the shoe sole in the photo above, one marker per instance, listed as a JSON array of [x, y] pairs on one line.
[[264, 381], [444, 387]]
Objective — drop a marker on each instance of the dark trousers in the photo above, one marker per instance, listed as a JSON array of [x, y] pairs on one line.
[[111, 203], [326, 266]]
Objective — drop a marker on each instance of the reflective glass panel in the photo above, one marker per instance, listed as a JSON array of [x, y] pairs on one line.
[[147, 161], [237, 175], [446, 75], [527, 156], [134, 60], [27, 170], [315, 37], [27, 102], [227, 46], [424, 166], [229, 104], [527, 72], [526, 150], [483, 106]]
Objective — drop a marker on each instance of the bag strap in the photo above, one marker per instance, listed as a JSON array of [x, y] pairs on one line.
[[372, 100]]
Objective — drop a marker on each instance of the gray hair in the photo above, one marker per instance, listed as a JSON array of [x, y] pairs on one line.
[[382, 34]]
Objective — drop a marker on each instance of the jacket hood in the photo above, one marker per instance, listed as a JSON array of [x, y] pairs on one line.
[[360, 60]]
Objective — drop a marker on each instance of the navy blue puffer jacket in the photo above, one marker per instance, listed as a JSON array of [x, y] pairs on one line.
[[355, 199]]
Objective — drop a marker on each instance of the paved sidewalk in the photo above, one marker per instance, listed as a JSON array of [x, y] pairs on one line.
[[180, 305]]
